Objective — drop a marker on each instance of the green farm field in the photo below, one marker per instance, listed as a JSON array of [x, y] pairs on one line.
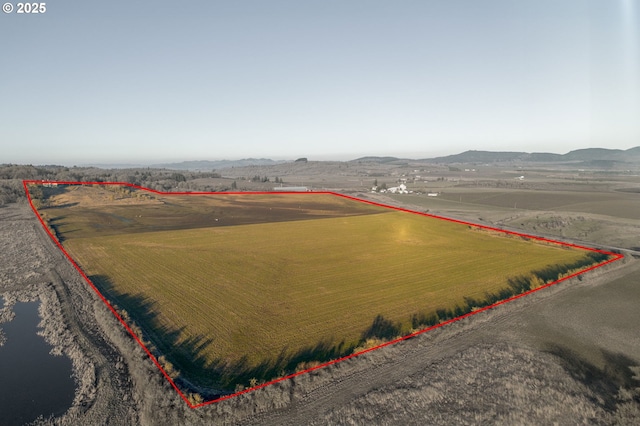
[[255, 297]]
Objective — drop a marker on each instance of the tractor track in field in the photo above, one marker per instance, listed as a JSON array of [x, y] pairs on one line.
[[349, 386]]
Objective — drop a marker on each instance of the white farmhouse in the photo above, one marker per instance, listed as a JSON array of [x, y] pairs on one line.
[[400, 189]]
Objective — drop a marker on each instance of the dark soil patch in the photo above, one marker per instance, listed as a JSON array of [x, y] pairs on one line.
[[190, 212]]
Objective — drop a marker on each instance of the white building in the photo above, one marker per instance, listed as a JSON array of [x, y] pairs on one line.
[[400, 189]]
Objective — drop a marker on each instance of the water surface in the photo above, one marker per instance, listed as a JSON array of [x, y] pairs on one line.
[[32, 381]]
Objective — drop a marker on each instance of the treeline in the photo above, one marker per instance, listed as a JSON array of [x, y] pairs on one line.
[[264, 179], [12, 175]]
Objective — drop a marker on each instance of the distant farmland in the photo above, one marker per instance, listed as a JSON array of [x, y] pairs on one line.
[[238, 289]]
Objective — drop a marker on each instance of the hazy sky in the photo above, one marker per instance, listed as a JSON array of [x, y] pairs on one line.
[[132, 81]]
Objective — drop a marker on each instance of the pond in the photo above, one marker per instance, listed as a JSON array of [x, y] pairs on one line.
[[33, 382]]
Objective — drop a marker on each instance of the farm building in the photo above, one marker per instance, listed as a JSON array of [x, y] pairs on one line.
[[401, 189], [291, 188]]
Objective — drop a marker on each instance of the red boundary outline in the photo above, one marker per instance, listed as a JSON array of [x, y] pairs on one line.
[[25, 183]]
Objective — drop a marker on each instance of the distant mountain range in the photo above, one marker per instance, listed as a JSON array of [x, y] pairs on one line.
[[587, 155], [205, 165], [584, 155], [597, 157], [373, 159]]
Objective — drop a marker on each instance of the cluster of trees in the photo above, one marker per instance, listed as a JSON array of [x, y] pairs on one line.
[[380, 187], [12, 175], [265, 179], [10, 191]]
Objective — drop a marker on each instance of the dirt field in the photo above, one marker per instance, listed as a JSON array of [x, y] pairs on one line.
[[616, 204], [86, 211], [566, 355]]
